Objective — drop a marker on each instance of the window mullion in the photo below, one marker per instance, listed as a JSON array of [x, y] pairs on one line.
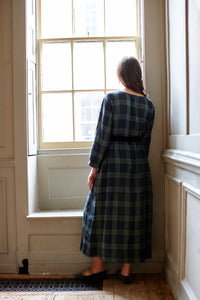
[[39, 46], [39, 92], [104, 13], [137, 47], [73, 19], [73, 108], [105, 81], [88, 39], [38, 18], [138, 29]]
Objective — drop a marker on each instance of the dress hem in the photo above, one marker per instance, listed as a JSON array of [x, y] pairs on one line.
[[117, 260]]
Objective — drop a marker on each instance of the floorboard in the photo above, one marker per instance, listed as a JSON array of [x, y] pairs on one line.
[[152, 285]]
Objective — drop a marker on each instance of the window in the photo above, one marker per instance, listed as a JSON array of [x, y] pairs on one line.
[[79, 44]]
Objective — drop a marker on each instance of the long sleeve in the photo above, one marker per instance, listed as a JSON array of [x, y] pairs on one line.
[[102, 138], [146, 137]]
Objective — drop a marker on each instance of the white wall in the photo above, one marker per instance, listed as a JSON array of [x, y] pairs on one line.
[[7, 179], [182, 158]]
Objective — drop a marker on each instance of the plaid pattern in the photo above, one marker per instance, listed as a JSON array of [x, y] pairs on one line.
[[118, 212]]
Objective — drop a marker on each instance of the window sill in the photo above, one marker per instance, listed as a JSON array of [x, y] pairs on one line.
[[74, 213], [67, 151], [183, 159]]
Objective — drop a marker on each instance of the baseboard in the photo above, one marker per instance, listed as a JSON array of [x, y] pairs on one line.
[[72, 268], [8, 268]]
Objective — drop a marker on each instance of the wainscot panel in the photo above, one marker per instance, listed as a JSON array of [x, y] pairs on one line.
[[62, 181], [7, 218], [172, 220], [182, 226]]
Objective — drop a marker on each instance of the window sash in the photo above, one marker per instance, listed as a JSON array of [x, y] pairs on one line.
[[104, 40]]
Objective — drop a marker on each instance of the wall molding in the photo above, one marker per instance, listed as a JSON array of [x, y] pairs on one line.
[[180, 289], [7, 164], [57, 177], [172, 259], [185, 160], [175, 272], [76, 213], [6, 91], [4, 248], [195, 192], [186, 189], [8, 269]]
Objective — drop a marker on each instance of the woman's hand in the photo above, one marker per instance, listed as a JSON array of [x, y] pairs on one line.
[[91, 178]]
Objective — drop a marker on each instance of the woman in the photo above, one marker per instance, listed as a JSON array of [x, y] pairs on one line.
[[118, 213]]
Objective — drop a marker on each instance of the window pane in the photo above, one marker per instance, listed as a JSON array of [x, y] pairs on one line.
[[115, 51], [57, 123], [88, 65], [56, 66], [89, 17], [87, 106], [121, 17], [56, 18]]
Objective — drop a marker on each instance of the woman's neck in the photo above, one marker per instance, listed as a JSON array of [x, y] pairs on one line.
[[126, 90]]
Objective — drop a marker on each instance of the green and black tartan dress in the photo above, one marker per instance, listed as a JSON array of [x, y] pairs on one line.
[[118, 213]]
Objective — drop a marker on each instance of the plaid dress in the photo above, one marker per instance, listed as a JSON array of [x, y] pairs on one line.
[[118, 213]]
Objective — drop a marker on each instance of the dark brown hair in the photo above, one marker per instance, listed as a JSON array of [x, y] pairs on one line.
[[130, 74]]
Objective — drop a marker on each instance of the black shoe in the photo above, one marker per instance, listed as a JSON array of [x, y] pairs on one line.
[[124, 279], [95, 276]]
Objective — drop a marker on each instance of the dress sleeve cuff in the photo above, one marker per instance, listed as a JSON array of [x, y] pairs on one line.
[[92, 164]]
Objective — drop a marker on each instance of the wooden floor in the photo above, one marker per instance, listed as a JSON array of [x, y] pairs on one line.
[[144, 286]]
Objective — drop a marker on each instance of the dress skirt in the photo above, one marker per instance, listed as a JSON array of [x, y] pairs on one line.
[[118, 212]]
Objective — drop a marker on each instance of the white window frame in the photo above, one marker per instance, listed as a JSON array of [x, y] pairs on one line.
[[72, 40]]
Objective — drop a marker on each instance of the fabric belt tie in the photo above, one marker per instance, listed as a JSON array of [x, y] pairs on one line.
[[126, 138]]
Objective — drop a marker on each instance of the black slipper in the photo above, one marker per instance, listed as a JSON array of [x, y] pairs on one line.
[[95, 276], [124, 279]]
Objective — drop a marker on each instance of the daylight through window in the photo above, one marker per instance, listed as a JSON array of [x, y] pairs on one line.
[[79, 45]]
